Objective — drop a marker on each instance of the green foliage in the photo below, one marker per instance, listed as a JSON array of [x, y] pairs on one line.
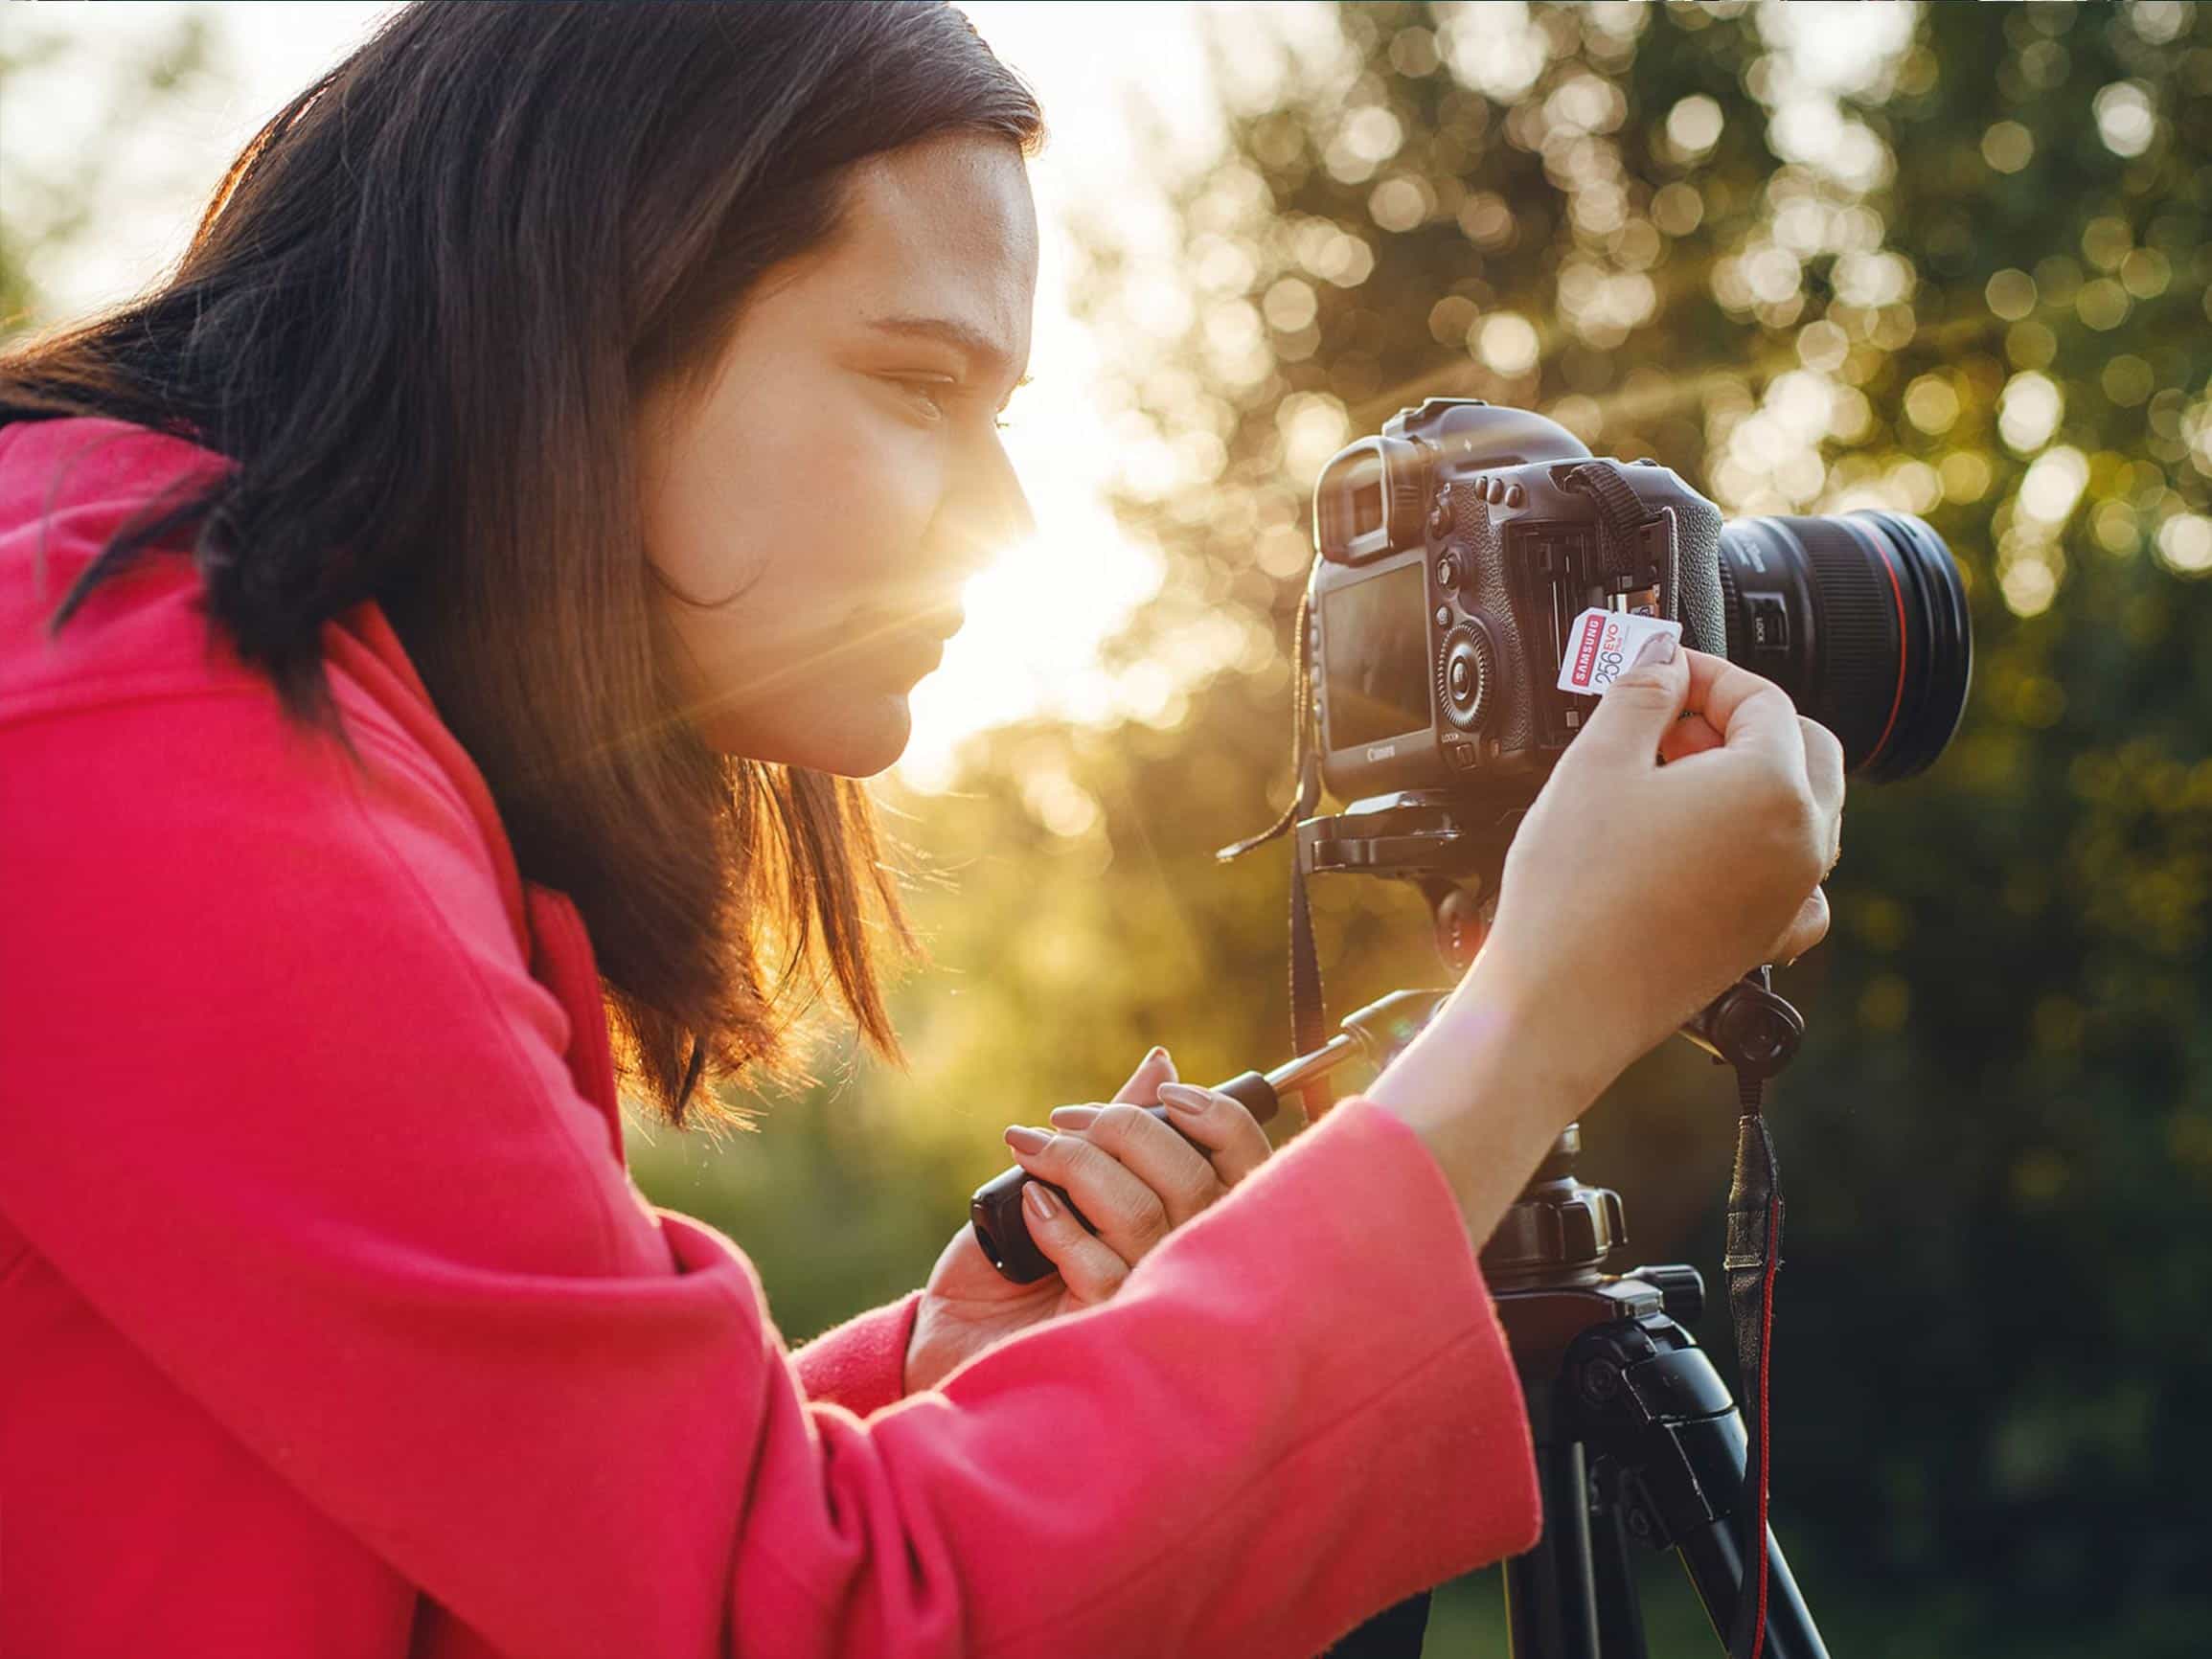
[[47, 211]]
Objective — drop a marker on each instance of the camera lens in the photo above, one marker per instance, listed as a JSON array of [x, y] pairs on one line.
[[1861, 618]]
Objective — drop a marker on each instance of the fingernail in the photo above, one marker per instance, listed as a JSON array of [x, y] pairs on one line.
[[1074, 1117], [1158, 1053], [1183, 1098], [1659, 648], [1027, 1140], [1038, 1202]]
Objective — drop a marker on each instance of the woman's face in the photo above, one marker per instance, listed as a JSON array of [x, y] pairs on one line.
[[817, 507]]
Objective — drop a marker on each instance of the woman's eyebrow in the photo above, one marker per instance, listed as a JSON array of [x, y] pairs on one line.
[[980, 348]]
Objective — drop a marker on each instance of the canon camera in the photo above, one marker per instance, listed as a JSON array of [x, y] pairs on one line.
[[1459, 548]]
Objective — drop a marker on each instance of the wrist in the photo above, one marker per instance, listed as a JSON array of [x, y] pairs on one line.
[[1539, 1021], [1488, 1084]]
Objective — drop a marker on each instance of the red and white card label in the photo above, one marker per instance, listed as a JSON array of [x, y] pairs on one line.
[[1602, 643]]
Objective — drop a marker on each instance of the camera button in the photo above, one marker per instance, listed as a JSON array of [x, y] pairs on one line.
[[1515, 495], [1443, 615], [1447, 572]]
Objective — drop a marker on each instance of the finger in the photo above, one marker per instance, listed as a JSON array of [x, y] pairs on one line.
[[1153, 1070], [1087, 1266], [1638, 708], [1806, 929], [1125, 1212], [1823, 768], [1220, 1123], [1688, 736], [1180, 1174], [1749, 712]]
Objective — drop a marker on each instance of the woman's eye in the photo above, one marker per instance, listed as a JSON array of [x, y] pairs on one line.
[[929, 393]]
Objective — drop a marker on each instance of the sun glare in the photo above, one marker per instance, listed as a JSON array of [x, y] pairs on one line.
[[1036, 618]]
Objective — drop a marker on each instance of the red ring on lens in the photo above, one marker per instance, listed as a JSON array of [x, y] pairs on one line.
[[1903, 650]]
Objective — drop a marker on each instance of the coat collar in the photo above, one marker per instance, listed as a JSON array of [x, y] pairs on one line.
[[91, 476]]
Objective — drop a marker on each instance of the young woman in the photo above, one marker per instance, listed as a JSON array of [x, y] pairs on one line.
[[439, 629]]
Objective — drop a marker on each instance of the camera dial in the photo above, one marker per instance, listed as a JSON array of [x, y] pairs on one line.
[[1466, 676]]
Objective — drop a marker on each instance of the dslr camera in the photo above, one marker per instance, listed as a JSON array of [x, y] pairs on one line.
[[1459, 546]]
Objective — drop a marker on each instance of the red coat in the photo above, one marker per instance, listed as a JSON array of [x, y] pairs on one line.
[[332, 1324]]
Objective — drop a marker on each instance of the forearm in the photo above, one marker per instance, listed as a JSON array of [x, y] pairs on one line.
[[1487, 1086]]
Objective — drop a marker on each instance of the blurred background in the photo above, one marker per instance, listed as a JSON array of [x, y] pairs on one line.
[[1947, 259]]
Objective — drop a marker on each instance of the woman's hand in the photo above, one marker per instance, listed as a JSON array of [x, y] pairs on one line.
[[1636, 893], [1632, 895], [1136, 1179]]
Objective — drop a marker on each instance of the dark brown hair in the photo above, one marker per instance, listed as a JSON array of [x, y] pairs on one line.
[[419, 315]]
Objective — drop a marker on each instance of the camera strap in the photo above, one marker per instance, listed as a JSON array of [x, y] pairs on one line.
[[1309, 1011], [1754, 1256], [1634, 540]]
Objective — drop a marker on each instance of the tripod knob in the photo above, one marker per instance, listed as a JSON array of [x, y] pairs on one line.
[[1750, 1027], [1555, 1224], [1682, 1290]]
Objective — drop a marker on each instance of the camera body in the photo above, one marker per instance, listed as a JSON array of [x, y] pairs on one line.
[[1457, 548]]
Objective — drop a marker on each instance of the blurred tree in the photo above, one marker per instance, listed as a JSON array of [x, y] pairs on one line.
[[45, 201]]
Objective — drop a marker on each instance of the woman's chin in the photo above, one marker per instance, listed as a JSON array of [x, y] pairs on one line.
[[855, 736], [874, 744]]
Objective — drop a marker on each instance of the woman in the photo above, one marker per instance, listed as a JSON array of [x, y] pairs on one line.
[[466, 590]]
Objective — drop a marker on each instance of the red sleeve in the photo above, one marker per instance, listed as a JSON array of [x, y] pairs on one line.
[[284, 1104], [861, 1364]]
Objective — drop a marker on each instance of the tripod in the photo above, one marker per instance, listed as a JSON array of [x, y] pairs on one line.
[[1636, 1435]]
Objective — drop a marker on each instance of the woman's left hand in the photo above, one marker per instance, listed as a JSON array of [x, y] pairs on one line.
[[1136, 1179]]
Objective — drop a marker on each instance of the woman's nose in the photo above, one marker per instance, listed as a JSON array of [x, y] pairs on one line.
[[989, 512]]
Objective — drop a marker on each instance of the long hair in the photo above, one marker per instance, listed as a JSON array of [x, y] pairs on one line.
[[419, 316]]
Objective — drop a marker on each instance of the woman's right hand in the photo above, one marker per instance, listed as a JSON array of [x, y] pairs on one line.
[[1634, 894]]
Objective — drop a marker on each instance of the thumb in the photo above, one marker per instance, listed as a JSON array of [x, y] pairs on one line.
[[1638, 708], [1143, 1087]]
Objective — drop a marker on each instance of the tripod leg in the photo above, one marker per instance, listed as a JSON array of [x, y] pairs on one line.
[[1714, 1560], [1620, 1610], [1550, 1593], [1635, 1397], [1684, 1443]]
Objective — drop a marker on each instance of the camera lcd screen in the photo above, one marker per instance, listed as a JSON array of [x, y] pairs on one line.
[[1375, 647]]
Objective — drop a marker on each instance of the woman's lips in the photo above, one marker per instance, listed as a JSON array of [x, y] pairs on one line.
[[945, 621]]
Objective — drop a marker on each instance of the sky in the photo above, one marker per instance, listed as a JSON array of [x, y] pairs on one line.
[[1039, 614]]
